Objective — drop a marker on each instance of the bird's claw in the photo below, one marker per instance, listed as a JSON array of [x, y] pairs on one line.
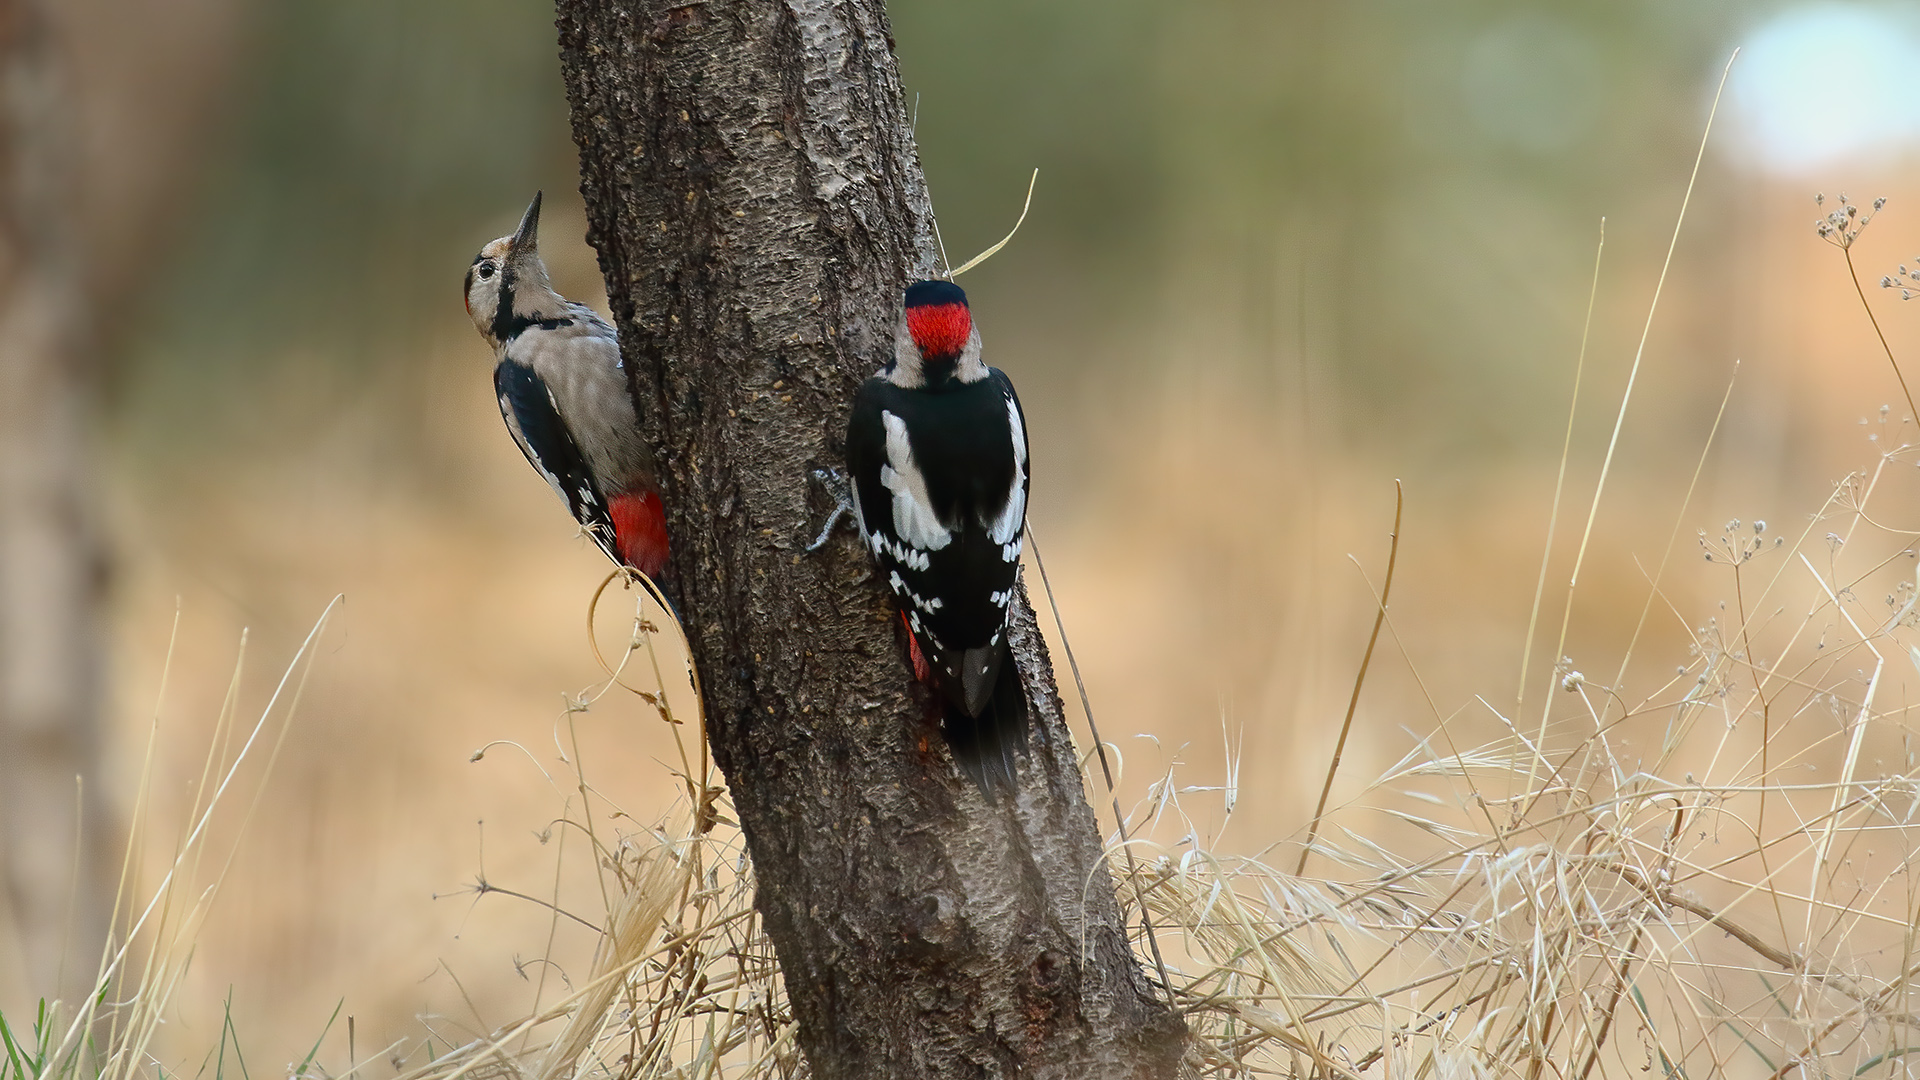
[[836, 486]]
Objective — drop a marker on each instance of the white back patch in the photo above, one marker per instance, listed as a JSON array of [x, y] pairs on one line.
[[913, 518], [1013, 516]]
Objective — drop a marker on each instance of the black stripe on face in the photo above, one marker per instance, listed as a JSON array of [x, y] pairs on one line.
[[504, 323]]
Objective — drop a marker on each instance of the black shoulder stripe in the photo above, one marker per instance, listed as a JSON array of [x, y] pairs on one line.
[[520, 324], [528, 408]]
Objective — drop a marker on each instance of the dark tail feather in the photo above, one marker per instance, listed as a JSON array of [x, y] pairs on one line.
[[985, 746]]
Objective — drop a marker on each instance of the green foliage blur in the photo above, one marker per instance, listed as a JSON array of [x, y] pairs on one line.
[[1407, 193], [372, 147], [1397, 199]]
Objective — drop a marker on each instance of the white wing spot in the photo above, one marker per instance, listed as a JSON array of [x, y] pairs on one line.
[[913, 517], [911, 558]]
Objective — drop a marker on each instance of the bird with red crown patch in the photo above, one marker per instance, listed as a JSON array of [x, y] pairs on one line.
[[937, 449]]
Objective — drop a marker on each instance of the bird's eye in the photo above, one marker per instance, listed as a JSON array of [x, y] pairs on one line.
[[486, 270]]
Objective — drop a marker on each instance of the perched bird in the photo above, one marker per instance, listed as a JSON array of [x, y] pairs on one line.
[[937, 449], [563, 393]]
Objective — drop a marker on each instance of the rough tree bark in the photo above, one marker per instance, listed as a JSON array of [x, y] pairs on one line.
[[757, 203]]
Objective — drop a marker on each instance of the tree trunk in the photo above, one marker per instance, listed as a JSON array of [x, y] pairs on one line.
[[755, 197], [51, 832]]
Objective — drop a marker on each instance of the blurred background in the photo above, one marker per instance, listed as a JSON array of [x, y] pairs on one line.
[[1280, 255]]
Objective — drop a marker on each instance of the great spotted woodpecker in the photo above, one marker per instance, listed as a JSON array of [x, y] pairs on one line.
[[564, 396], [937, 449]]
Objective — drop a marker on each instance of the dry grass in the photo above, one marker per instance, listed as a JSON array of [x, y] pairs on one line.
[[1575, 905], [107, 1035], [1591, 905], [1709, 874]]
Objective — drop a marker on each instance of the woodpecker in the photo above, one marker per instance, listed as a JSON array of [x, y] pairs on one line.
[[563, 394], [937, 449]]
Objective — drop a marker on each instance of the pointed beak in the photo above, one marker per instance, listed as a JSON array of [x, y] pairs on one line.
[[526, 238]]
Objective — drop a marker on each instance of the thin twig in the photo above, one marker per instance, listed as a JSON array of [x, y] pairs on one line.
[[990, 252], [1626, 964], [1560, 482], [1858, 291], [1787, 961], [1359, 680], [1626, 398], [481, 887], [1613, 1000]]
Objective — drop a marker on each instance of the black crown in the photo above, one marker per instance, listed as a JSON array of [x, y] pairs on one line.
[[931, 293]]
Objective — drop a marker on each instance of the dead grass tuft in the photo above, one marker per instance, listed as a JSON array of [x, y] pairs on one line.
[[106, 1035]]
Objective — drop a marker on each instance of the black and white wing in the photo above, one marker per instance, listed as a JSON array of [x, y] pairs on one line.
[[940, 491], [866, 456], [534, 420], [940, 486]]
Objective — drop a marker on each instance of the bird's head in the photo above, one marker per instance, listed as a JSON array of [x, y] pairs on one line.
[[507, 279], [935, 340]]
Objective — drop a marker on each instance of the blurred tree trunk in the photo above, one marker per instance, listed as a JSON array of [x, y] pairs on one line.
[[754, 193], [105, 106], [51, 830]]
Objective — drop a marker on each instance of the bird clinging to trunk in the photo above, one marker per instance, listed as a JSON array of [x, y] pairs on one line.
[[937, 449], [563, 393]]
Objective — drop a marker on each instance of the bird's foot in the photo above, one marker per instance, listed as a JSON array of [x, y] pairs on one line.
[[837, 488]]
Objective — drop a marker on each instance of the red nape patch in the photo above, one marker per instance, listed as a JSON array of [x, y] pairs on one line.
[[922, 671], [940, 329], [640, 531]]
